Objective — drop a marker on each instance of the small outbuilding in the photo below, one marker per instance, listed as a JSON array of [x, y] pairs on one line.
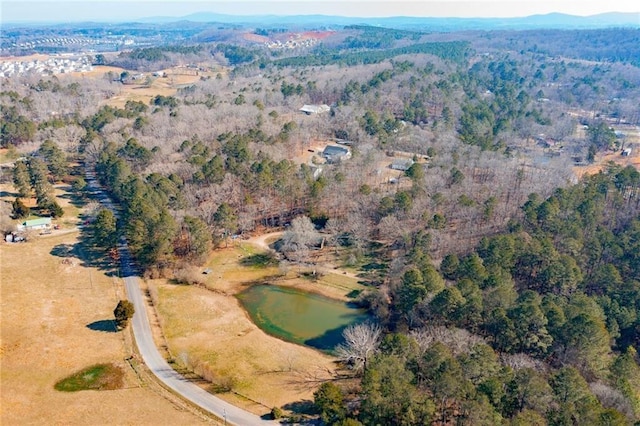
[[336, 154], [402, 164], [316, 171], [315, 109], [626, 152]]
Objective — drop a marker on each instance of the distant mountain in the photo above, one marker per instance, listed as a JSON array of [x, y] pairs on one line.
[[552, 20]]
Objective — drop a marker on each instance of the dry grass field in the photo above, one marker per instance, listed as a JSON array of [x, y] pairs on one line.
[[165, 86], [53, 311]]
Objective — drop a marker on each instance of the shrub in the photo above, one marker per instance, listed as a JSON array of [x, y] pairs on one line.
[[20, 210], [123, 313], [188, 275], [276, 413]]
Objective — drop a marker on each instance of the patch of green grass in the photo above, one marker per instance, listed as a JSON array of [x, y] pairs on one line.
[[340, 282], [260, 260], [96, 377]]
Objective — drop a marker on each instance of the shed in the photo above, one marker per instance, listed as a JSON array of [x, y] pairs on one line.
[[40, 223], [335, 154], [315, 109], [316, 171], [626, 152], [402, 164]]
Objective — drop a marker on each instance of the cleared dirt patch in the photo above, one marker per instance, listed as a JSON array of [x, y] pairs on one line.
[[603, 160]]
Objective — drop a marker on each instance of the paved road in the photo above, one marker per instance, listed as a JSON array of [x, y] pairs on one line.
[[157, 364], [231, 414]]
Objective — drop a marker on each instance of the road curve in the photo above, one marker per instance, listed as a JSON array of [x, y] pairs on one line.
[[229, 413], [159, 366]]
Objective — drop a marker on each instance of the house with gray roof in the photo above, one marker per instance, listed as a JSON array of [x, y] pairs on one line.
[[335, 154], [402, 164]]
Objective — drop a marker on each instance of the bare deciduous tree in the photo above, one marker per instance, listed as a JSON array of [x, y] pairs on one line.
[[612, 398], [299, 238], [6, 224], [361, 343], [456, 339]]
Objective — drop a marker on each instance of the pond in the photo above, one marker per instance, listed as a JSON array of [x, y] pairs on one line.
[[299, 316]]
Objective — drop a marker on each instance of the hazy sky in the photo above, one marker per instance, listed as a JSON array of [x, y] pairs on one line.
[[110, 10]]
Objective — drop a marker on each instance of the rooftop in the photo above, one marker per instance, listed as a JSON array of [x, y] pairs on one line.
[[315, 109], [38, 222], [333, 150]]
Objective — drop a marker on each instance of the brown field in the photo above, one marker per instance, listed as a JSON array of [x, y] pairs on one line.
[[46, 309], [165, 86], [207, 328]]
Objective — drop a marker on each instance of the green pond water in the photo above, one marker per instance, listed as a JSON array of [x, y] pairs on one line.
[[298, 316]]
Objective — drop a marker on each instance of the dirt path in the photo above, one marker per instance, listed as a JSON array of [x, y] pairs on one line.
[[261, 240]]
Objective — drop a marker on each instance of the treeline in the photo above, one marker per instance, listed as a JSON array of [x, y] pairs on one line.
[[606, 45], [15, 127], [538, 325], [33, 176], [155, 237], [154, 58], [455, 51], [237, 54], [154, 54], [376, 37]]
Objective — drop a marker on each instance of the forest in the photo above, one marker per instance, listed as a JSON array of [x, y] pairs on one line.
[[505, 288]]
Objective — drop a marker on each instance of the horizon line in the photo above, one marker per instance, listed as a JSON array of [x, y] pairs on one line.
[[282, 15]]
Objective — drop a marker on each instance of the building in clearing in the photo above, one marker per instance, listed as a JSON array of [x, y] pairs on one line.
[[316, 171], [402, 164], [335, 154], [315, 109], [35, 224], [626, 152]]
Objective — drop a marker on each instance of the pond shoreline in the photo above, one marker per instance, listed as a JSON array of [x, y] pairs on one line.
[[207, 328], [298, 316]]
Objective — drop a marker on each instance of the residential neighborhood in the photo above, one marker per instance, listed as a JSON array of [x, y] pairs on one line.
[[51, 66]]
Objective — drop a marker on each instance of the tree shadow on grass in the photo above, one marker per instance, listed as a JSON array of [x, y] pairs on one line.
[[301, 407], [74, 199], [10, 194], [374, 266], [107, 326], [86, 252], [261, 260]]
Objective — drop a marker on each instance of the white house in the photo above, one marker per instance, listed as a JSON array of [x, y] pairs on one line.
[[43, 223]]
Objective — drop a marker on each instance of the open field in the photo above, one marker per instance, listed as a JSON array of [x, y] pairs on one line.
[[631, 140], [208, 330], [56, 320], [602, 160], [142, 92], [165, 86]]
